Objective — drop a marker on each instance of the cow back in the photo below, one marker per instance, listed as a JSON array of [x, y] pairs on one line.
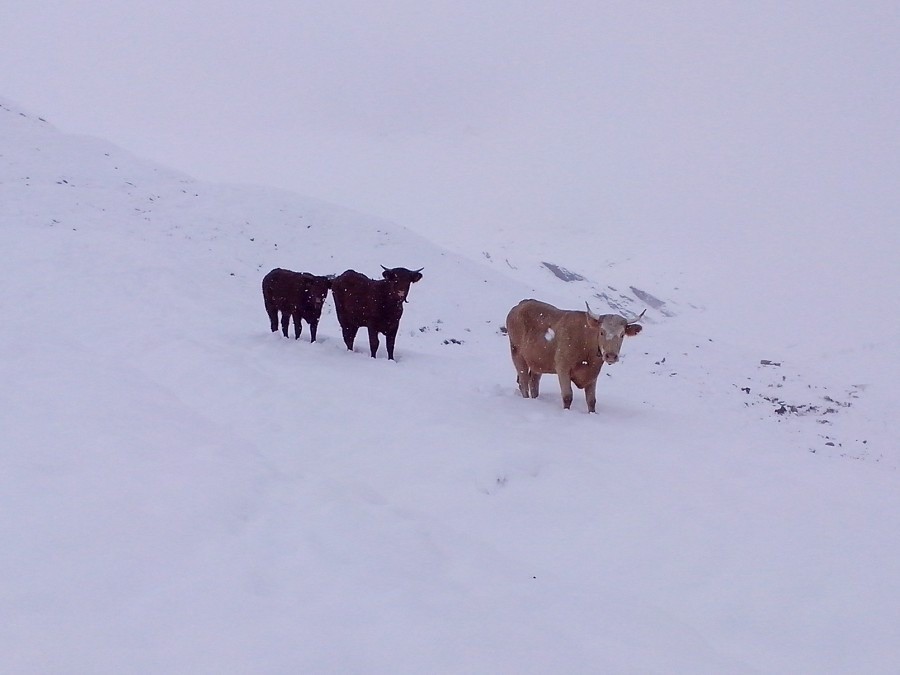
[[277, 282], [529, 325], [296, 291], [355, 298], [548, 337], [361, 301]]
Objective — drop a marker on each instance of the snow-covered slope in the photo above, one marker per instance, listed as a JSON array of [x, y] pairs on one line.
[[184, 491]]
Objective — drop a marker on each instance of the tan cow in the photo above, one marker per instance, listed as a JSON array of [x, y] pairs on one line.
[[572, 344]]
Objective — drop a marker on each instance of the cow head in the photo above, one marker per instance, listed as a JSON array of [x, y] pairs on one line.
[[612, 329], [399, 279], [316, 290]]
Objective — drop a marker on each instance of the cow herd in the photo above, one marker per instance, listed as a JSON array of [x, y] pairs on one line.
[[358, 300], [543, 339]]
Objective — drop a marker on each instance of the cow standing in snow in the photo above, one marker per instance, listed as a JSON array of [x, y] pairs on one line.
[[574, 345], [297, 295], [378, 305]]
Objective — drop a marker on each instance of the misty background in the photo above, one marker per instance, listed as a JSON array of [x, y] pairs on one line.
[[754, 134]]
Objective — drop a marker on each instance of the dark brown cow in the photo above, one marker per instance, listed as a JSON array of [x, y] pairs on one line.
[[297, 295], [574, 345], [378, 305]]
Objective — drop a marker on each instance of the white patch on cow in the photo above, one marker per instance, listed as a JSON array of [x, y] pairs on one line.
[[549, 335]]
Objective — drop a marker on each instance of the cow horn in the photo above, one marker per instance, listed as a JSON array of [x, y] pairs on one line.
[[384, 268], [638, 318], [595, 317], [419, 270]]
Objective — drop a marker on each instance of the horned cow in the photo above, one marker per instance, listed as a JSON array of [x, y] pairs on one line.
[[378, 305], [545, 339], [297, 295]]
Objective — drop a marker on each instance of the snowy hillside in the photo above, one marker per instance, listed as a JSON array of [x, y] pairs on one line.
[[184, 491]]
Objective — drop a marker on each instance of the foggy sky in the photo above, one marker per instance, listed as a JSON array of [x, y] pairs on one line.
[[755, 131]]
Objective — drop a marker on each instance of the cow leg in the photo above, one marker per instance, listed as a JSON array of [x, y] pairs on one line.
[[523, 379], [349, 335], [313, 327], [272, 311], [565, 388], [523, 374], [590, 396], [534, 383], [285, 322], [390, 338], [298, 325], [373, 341]]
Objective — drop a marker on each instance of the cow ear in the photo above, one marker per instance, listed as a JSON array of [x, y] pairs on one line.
[[387, 274], [416, 277], [633, 329]]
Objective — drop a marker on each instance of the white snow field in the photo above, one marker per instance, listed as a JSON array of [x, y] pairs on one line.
[[185, 492]]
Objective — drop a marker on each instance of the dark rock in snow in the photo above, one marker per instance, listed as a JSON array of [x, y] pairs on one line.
[[562, 273]]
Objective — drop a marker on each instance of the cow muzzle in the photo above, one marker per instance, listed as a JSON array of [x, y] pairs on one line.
[[610, 358]]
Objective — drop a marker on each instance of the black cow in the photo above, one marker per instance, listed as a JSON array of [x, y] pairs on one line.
[[295, 294], [377, 305]]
